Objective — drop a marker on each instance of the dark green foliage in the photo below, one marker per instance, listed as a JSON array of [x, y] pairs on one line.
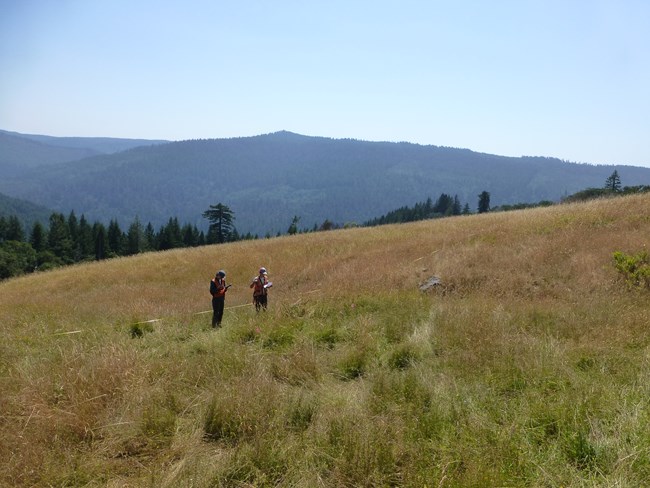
[[135, 242], [139, 329], [115, 239], [71, 240], [613, 182], [16, 258], [169, 236], [11, 229], [484, 202], [38, 237], [445, 206], [293, 228], [221, 224], [612, 188], [59, 240]]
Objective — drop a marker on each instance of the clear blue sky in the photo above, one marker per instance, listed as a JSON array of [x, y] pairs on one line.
[[562, 78]]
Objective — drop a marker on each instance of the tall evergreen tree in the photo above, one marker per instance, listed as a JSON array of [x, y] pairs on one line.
[[455, 207], [38, 237], [613, 182], [115, 238], [170, 236], [293, 228], [190, 235], [58, 238], [135, 238], [101, 241], [14, 231], [484, 202], [73, 227], [85, 239], [221, 223], [150, 238]]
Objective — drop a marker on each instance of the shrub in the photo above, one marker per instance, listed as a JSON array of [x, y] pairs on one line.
[[353, 365], [634, 268], [402, 357], [140, 328]]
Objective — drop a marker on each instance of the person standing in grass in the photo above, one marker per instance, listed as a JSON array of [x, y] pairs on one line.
[[218, 290], [260, 286]]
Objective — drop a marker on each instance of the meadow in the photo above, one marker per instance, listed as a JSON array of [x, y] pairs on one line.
[[528, 365]]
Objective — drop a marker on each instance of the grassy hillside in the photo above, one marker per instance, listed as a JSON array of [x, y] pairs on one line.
[[528, 366]]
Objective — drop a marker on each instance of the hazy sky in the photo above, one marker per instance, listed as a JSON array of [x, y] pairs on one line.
[[562, 78]]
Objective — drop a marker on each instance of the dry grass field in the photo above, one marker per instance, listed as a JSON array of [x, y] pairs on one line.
[[529, 365]]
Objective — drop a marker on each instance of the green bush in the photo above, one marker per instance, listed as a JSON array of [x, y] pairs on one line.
[[139, 329], [634, 268]]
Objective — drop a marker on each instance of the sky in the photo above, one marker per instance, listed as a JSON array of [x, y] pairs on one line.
[[560, 78]]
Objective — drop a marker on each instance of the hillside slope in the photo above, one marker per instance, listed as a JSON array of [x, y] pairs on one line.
[[18, 154], [27, 212], [97, 145], [267, 180], [527, 366]]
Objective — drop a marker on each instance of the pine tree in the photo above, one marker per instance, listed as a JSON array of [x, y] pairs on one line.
[[85, 239], [14, 230], [114, 235], [221, 223], [134, 238], [58, 238], [613, 182], [100, 240], [293, 228], [150, 238], [38, 237], [484, 202]]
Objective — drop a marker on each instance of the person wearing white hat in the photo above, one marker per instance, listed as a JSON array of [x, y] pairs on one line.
[[260, 285]]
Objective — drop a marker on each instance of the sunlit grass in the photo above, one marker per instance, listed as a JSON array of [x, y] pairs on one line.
[[527, 366]]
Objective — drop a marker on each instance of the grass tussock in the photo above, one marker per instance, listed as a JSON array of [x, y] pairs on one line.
[[526, 366]]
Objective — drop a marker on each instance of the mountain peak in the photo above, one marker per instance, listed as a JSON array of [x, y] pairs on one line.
[[285, 134]]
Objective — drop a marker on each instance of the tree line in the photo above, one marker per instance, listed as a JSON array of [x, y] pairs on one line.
[[69, 240]]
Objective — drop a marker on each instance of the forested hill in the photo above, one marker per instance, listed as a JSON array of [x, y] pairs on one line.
[[268, 179], [21, 151], [100, 145], [26, 212]]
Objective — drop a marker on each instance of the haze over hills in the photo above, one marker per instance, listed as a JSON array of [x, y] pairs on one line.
[[95, 145], [268, 179], [27, 212]]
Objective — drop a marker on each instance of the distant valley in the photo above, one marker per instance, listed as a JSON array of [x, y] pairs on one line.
[[268, 179]]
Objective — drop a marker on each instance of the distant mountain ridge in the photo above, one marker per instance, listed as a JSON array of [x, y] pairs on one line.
[[268, 179], [95, 145]]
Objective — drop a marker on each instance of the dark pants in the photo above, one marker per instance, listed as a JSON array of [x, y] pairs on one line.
[[260, 302], [217, 310]]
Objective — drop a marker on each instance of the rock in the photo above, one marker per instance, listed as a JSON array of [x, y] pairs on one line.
[[430, 283]]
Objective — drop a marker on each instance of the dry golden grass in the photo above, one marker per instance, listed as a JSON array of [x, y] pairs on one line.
[[526, 367]]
